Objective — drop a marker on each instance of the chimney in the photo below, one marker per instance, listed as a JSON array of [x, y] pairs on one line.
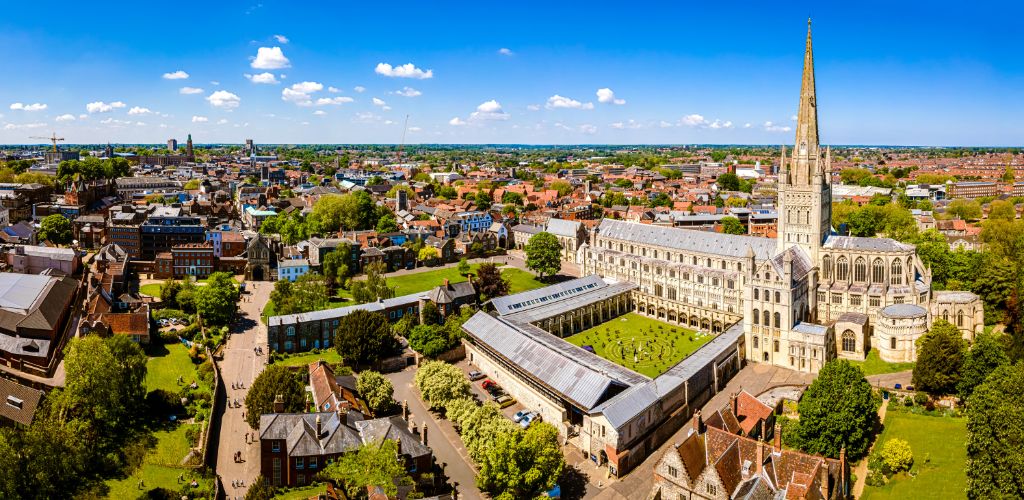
[[405, 409], [698, 422], [760, 458], [734, 405], [764, 430], [446, 282], [778, 437], [319, 427], [423, 433], [279, 404], [823, 478], [398, 446], [842, 469]]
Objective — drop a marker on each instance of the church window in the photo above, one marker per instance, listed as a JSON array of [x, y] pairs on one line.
[[842, 269], [837, 298], [723, 264], [766, 316], [672, 273], [700, 279], [897, 299], [778, 320], [897, 272], [712, 489], [878, 271], [757, 294], [849, 341], [855, 300], [755, 342], [714, 281], [695, 260], [875, 301], [778, 297], [945, 316], [821, 296], [731, 284], [826, 267], [892, 342], [776, 346], [860, 272], [960, 318], [671, 294], [657, 290]]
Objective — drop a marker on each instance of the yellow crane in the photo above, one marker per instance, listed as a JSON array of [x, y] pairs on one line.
[[52, 139]]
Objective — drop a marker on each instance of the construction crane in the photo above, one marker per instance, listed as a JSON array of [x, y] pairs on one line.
[[52, 139], [401, 146]]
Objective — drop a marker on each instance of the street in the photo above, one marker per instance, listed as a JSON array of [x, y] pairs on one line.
[[241, 364]]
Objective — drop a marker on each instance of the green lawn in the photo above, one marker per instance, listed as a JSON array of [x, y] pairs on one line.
[[520, 281], [301, 493], [171, 446], [153, 476], [940, 456], [153, 289], [166, 363], [873, 365], [328, 355], [659, 345], [421, 282]]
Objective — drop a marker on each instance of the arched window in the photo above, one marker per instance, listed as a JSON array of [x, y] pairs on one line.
[[767, 296], [945, 316], [757, 317], [959, 318], [892, 342], [878, 271], [849, 341], [755, 342], [778, 297], [842, 269], [757, 294], [826, 267], [896, 274], [778, 320], [860, 270], [766, 316]]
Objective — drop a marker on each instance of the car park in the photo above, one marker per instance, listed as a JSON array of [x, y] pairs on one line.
[[529, 419], [487, 384], [504, 401], [520, 415], [475, 375]]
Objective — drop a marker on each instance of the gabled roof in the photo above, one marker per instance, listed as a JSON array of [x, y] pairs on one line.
[[688, 240]]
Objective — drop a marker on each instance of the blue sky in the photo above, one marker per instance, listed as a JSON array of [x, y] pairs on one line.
[[729, 72]]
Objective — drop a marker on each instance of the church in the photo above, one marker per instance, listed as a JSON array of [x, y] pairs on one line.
[[805, 298]]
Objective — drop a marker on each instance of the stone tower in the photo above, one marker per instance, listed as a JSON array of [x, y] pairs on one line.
[[188, 147], [805, 191]]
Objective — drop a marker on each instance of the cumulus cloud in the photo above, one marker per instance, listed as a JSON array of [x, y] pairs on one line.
[[664, 124], [270, 58], [38, 106], [556, 101], [407, 70], [505, 51], [359, 89], [379, 102], [299, 93], [747, 125], [588, 129], [489, 110], [408, 92], [792, 117], [190, 90], [281, 39], [266, 78], [457, 122], [693, 120], [607, 96], [333, 90], [772, 127], [631, 124], [176, 75], [717, 124], [222, 121], [66, 118], [139, 110], [533, 107], [102, 107], [335, 101], [199, 119], [319, 112], [223, 99]]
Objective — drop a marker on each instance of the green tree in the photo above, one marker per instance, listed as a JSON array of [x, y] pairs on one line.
[[387, 224], [564, 188], [373, 464], [365, 337], [838, 410], [897, 455], [376, 390], [732, 225], [483, 200], [489, 281], [9, 467], [260, 489], [985, 356], [1008, 174], [964, 209], [375, 286], [522, 464], [273, 381], [427, 254], [335, 267], [728, 182], [55, 229], [440, 383], [464, 267], [544, 254], [169, 292], [431, 316], [939, 358], [217, 301], [995, 433], [192, 184], [1002, 209], [512, 198]]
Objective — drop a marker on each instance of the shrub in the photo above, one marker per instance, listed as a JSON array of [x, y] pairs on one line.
[[875, 479], [908, 401], [897, 455], [921, 399]]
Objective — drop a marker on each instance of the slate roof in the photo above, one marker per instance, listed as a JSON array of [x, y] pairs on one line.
[[688, 240], [380, 305], [18, 402], [450, 292], [869, 244], [561, 227], [537, 305], [954, 297], [903, 311]]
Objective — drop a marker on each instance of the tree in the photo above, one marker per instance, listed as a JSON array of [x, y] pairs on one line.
[[9, 467], [732, 225], [463, 267], [335, 267], [1002, 209], [939, 358], [440, 383], [273, 381], [985, 356], [427, 254], [387, 224], [376, 390], [431, 316], [522, 464], [897, 455], [564, 188], [964, 209], [512, 198], [483, 200], [217, 301], [489, 281], [191, 184], [260, 489], [995, 412], [373, 464], [838, 410], [375, 286], [55, 229], [1008, 174], [544, 254], [365, 337], [169, 292], [728, 182]]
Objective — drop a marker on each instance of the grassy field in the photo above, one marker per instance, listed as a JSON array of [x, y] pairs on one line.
[[939, 457], [520, 281], [328, 355], [301, 493], [873, 365], [153, 289], [659, 345], [153, 476], [166, 363]]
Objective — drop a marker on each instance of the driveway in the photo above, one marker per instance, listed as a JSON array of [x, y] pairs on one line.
[[241, 364]]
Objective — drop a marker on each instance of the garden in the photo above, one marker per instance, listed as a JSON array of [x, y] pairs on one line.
[[645, 345], [874, 365]]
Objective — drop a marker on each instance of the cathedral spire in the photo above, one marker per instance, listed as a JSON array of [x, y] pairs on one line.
[[807, 116]]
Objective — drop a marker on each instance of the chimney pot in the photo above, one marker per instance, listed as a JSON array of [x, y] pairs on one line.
[[778, 437], [423, 433], [279, 404]]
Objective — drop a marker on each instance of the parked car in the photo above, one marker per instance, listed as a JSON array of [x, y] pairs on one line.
[[520, 415], [504, 401], [487, 384], [475, 375], [529, 419], [898, 386]]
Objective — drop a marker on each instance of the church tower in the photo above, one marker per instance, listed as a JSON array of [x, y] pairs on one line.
[[805, 191], [188, 148]]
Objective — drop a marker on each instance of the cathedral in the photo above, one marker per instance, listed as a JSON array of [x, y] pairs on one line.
[[805, 298]]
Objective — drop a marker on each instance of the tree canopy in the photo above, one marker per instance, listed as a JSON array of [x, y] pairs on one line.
[[55, 229], [732, 225], [365, 337], [272, 381], [838, 410], [372, 464], [995, 435], [440, 383], [544, 254], [376, 390], [985, 356], [489, 281], [217, 301]]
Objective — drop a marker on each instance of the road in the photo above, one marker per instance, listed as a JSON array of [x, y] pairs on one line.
[[241, 364]]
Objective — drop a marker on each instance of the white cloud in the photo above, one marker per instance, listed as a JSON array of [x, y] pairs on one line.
[[631, 124], [792, 117], [270, 58], [557, 101], [533, 107], [505, 51], [12, 126], [307, 87], [214, 83], [457, 122], [199, 119], [299, 93], [747, 125], [177, 75], [717, 124], [83, 116], [693, 120], [407, 70], [333, 90], [190, 90], [281, 39], [138, 110], [222, 121], [102, 107], [607, 96], [264, 78], [319, 112], [66, 118], [29, 107], [664, 124], [359, 89], [588, 129], [223, 99], [379, 102], [489, 110], [408, 92], [415, 129], [335, 101], [771, 127]]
